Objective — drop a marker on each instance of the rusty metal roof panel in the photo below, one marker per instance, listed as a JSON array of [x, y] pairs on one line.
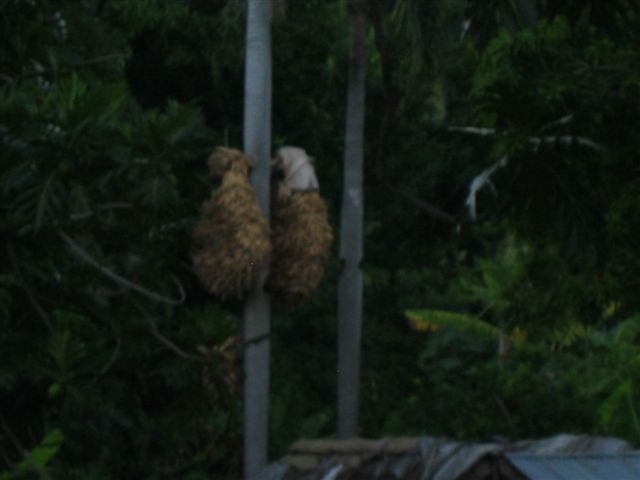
[[578, 467]]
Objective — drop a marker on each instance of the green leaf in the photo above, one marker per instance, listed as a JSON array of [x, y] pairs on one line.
[[66, 351], [436, 320], [54, 390], [41, 455], [614, 405]]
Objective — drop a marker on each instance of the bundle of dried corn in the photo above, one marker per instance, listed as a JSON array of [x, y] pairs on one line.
[[232, 237], [301, 234]]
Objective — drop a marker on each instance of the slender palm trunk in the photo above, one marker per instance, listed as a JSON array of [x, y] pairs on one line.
[[350, 287], [257, 144]]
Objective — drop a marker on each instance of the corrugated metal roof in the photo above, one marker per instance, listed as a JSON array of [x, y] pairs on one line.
[[577, 467], [418, 458]]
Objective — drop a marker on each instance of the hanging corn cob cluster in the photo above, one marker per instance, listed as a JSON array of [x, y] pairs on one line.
[[301, 235], [232, 238]]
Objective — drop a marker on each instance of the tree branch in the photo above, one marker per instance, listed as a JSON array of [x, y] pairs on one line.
[[81, 253], [6, 458], [106, 293], [12, 437], [505, 412], [425, 206], [479, 182], [566, 140], [483, 132], [561, 121], [112, 359], [19, 447], [162, 339], [30, 295], [106, 206]]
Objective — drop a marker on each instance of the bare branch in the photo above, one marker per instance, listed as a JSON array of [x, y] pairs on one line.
[[483, 132], [106, 206], [164, 340], [181, 291], [106, 293], [561, 121], [484, 177], [432, 210], [479, 182], [6, 458], [505, 412], [12, 437], [566, 140], [30, 295], [112, 359], [19, 447], [81, 253]]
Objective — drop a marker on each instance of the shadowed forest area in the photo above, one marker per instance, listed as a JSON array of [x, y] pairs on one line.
[[501, 231]]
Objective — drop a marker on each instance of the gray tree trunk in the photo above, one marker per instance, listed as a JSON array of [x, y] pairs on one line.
[[350, 287], [257, 144]]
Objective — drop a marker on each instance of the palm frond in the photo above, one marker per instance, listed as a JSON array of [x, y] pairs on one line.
[[436, 320]]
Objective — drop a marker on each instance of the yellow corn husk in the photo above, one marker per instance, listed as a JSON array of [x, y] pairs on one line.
[[232, 238], [301, 238]]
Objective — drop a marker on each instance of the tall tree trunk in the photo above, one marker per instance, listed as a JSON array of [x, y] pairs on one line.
[[350, 287], [257, 144]]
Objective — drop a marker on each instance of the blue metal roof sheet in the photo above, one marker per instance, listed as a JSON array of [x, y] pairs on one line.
[[578, 467]]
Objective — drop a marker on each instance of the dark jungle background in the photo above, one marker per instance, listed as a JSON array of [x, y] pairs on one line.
[[108, 111]]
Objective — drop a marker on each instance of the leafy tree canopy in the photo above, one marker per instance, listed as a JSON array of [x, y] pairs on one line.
[[110, 350]]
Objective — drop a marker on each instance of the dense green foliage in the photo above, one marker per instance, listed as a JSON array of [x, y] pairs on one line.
[[93, 183], [114, 364]]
